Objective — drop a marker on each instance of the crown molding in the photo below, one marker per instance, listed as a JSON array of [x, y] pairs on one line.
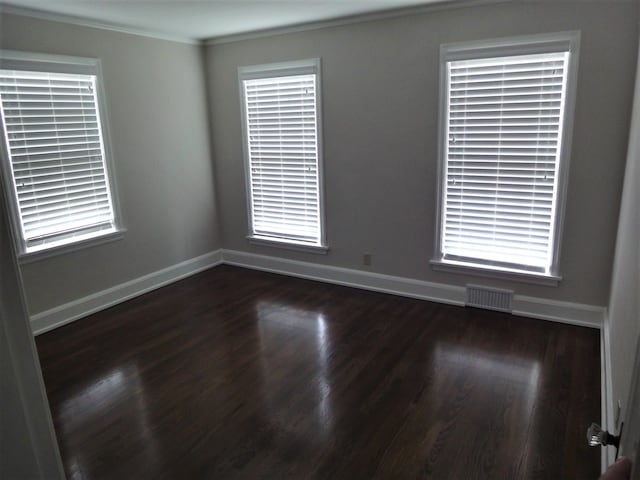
[[88, 22], [439, 5]]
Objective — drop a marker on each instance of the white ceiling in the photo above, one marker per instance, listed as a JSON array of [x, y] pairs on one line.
[[202, 19]]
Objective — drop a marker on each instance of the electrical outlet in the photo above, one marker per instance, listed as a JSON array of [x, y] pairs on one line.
[[366, 259]]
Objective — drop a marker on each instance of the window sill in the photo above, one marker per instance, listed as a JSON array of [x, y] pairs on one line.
[[288, 245], [38, 255], [495, 272]]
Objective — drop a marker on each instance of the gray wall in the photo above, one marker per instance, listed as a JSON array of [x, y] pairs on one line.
[[160, 137], [624, 305], [380, 93], [380, 98]]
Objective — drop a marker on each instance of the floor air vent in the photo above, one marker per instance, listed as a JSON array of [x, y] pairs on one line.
[[489, 298]]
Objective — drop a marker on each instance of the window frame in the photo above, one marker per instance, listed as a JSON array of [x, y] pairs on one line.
[[504, 47], [40, 62], [281, 69]]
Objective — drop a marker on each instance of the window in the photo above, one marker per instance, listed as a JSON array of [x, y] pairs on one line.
[[283, 159], [55, 150], [506, 109]]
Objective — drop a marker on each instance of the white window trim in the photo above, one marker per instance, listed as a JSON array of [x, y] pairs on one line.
[[297, 67], [521, 45], [501, 273], [18, 60]]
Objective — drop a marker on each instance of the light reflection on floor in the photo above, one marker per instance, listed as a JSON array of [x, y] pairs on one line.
[[119, 386], [523, 373], [309, 331]]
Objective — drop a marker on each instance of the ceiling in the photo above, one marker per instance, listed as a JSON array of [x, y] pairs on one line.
[[203, 19]]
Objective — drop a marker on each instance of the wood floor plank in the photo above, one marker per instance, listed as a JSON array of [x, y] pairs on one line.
[[238, 374]]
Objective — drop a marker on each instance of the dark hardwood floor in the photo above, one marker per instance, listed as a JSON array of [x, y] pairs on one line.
[[234, 373]]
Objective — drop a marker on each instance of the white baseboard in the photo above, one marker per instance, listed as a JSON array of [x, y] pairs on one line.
[[563, 312], [68, 312], [405, 287], [557, 311]]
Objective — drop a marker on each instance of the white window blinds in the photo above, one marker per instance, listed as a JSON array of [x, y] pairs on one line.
[[503, 143], [53, 136], [281, 128]]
